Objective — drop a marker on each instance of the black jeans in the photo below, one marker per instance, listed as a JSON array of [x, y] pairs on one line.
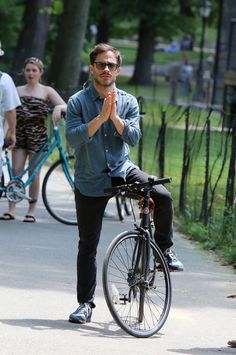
[[90, 211]]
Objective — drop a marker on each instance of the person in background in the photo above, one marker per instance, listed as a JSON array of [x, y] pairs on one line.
[[174, 47], [186, 76], [9, 100], [101, 122], [31, 130]]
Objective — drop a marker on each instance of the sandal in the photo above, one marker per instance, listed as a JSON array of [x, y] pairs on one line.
[[7, 217], [29, 219]]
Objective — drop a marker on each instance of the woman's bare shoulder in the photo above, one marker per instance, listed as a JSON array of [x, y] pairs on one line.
[[20, 89]]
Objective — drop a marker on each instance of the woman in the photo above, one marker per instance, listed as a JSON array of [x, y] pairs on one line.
[[31, 131]]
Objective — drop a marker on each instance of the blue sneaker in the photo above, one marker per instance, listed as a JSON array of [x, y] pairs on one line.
[[82, 314], [173, 263]]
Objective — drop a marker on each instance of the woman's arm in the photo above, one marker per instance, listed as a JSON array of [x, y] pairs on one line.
[[59, 104]]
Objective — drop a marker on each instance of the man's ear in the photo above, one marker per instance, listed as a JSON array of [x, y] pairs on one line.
[[90, 69]]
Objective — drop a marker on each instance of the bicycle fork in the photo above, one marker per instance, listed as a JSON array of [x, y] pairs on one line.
[[139, 274]]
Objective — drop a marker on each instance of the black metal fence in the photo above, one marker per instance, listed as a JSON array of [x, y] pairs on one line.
[[195, 148]]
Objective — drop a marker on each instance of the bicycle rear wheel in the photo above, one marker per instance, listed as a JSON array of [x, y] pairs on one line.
[[58, 194], [123, 207], [139, 308]]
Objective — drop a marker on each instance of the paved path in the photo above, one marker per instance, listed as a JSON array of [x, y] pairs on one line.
[[37, 292]]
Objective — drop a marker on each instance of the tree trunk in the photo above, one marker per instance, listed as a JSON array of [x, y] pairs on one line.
[[103, 29], [143, 65], [104, 22], [33, 37], [66, 64]]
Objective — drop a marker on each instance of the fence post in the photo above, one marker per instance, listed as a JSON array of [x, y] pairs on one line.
[[162, 134], [229, 198], [140, 100], [204, 209], [185, 167]]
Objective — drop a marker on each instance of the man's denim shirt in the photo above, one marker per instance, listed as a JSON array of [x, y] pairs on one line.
[[106, 154]]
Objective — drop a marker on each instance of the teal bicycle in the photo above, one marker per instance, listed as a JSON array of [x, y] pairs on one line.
[[58, 182]]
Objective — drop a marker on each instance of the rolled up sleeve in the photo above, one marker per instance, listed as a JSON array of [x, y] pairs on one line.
[[76, 130]]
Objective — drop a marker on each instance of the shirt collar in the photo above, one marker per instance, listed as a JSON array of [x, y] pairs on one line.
[[95, 95]]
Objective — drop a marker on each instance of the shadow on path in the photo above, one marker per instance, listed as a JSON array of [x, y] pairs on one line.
[[95, 329]]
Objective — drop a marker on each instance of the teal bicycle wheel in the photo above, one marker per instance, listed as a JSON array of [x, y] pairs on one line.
[[58, 192]]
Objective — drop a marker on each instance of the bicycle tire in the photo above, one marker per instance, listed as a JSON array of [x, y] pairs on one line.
[[122, 207], [2, 184], [128, 208], [123, 297], [57, 193]]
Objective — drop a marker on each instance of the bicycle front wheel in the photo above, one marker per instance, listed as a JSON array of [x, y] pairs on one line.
[[58, 192], [140, 308]]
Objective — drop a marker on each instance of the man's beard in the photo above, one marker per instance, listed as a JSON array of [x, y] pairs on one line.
[[105, 85]]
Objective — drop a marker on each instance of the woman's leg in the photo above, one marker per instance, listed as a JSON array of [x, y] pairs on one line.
[[33, 189]]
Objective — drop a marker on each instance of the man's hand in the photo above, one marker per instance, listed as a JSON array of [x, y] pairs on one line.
[[113, 104], [108, 106], [117, 121], [108, 112]]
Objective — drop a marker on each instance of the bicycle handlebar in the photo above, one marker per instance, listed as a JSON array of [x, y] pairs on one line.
[[63, 113], [137, 186]]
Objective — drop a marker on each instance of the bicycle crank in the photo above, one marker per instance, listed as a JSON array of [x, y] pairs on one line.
[[15, 191]]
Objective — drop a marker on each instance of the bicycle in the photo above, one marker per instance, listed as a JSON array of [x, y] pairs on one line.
[[136, 278], [59, 179]]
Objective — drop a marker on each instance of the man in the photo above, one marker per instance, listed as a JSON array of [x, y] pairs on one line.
[[101, 122], [9, 100]]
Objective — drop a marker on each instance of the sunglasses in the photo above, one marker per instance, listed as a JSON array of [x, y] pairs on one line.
[[32, 60], [103, 65]]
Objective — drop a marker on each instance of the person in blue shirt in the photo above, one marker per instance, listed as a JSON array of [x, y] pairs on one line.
[[102, 121]]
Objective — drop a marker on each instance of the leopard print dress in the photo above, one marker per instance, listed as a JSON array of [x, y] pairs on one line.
[[31, 131]]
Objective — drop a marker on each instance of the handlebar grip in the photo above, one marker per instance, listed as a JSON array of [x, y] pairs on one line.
[[63, 114], [5, 145], [164, 180]]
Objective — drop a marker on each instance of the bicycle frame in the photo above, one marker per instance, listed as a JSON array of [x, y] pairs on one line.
[[53, 142]]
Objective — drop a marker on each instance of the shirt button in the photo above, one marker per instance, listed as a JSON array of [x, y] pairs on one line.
[[106, 150], [105, 135]]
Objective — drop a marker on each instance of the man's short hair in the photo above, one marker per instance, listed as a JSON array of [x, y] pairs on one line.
[[104, 47]]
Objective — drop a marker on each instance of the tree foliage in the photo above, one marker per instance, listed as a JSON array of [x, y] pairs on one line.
[[62, 44], [153, 21], [33, 36], [10, 19], [67, 56]]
